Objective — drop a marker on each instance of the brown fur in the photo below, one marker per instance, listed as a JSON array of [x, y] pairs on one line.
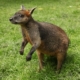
[[45, 38]]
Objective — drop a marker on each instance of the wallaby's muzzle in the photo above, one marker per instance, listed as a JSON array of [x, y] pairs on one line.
[[13, 21]]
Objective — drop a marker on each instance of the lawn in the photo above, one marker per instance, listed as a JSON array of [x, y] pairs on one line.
[[13, 66]]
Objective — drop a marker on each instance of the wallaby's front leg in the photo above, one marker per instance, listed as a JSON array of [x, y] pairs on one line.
[[36, 44], [23, 46], [33, 49]]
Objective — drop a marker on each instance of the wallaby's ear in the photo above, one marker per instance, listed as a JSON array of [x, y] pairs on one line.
[[32, 10], [22, 7]]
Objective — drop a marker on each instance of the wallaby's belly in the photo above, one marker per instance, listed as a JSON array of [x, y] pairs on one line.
[[48, 49], [48, 52]]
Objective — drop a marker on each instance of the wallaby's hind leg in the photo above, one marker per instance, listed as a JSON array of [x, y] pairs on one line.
[[41, 60], [60, 60], [23, 46]]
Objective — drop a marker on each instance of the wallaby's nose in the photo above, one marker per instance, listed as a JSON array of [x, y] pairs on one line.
[[10, 19]]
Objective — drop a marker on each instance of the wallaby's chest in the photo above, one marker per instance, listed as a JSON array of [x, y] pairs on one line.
[[26, 35]]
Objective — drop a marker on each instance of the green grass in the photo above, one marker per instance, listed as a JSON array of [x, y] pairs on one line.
[[13, 66]]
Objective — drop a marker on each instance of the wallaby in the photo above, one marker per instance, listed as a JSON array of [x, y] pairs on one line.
[[44, 37]]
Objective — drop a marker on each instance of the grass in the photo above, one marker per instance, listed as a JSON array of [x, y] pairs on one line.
[[13, 66]]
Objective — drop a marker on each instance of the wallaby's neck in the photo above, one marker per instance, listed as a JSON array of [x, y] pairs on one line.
[[29, 24]]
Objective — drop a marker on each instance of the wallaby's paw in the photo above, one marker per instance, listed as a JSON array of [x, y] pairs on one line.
[[28, 58], [21, 52]]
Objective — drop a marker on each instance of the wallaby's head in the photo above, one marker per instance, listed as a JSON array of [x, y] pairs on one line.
[[22, 16]]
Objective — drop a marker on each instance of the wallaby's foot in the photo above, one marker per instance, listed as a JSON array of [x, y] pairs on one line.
[[28, 58], [58, 71], [21, 52], [39, 69]]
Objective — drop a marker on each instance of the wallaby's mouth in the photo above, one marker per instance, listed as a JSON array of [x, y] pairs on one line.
[[12, 21]]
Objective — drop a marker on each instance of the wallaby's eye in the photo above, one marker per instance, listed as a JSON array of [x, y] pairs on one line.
[[21, 15]]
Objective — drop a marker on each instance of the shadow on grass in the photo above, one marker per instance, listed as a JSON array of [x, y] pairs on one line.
[[49, 71]]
